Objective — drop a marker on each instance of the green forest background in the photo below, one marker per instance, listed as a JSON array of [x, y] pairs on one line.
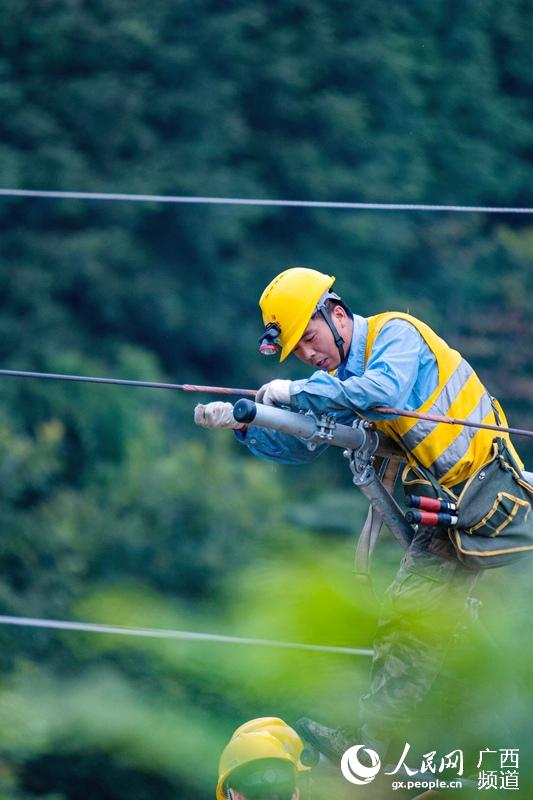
[[113, 506]]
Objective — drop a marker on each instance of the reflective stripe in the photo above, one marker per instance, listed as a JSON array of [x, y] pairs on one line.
[[418, 433], [444, 400], [459, 447], [451, 388]]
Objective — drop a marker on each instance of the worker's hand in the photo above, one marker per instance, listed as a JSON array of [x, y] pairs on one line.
[[275, 393], [216, 415]]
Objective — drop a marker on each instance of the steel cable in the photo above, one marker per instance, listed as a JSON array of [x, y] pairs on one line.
[[191, 387], [161, 633], [245, 201]]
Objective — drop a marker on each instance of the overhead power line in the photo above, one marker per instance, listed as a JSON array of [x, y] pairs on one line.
[[184, 387], [246, 201], [437, 418], [161, 633], [190, 387]]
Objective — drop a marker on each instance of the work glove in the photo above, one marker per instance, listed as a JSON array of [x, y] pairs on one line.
[[216, 415], [275, 393]]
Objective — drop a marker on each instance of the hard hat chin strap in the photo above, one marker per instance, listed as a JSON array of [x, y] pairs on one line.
[[326, 316]]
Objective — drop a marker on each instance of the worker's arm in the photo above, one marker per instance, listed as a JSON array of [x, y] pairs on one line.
[[283, 447], [277, 446], [401, 371], [264, 443], [399, 357]]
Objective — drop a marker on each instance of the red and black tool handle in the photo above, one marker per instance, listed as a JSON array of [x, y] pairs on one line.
[[430, 518], [429, 504]]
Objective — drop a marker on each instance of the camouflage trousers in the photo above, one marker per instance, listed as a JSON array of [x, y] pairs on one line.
[[421, 613]]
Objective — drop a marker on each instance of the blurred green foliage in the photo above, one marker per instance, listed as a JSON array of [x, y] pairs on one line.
[[113, 508]]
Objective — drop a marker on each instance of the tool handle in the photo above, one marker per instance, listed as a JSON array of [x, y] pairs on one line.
[[429, 503], [430, 518]]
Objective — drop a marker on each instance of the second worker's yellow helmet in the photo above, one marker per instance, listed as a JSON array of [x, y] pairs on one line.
[[257, 740], [290, 300]]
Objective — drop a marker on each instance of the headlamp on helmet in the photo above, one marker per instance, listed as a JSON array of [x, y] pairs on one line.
[[269, 341]]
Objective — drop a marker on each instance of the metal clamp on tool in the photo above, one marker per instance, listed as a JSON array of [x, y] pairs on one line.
[[326, 427], [361, 460]]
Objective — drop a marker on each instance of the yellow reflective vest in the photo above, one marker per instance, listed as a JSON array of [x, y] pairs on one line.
[[451, 452]]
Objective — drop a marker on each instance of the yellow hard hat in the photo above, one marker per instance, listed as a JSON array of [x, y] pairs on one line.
[[289, 302], [257, 739]]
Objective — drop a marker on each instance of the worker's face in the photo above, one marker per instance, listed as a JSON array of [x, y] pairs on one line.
[[317, 346]]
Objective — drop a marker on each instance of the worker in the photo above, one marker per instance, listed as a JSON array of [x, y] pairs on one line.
[[393, 359], [261, 762]]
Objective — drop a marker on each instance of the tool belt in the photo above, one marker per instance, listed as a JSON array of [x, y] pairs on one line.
[[494, 519]]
